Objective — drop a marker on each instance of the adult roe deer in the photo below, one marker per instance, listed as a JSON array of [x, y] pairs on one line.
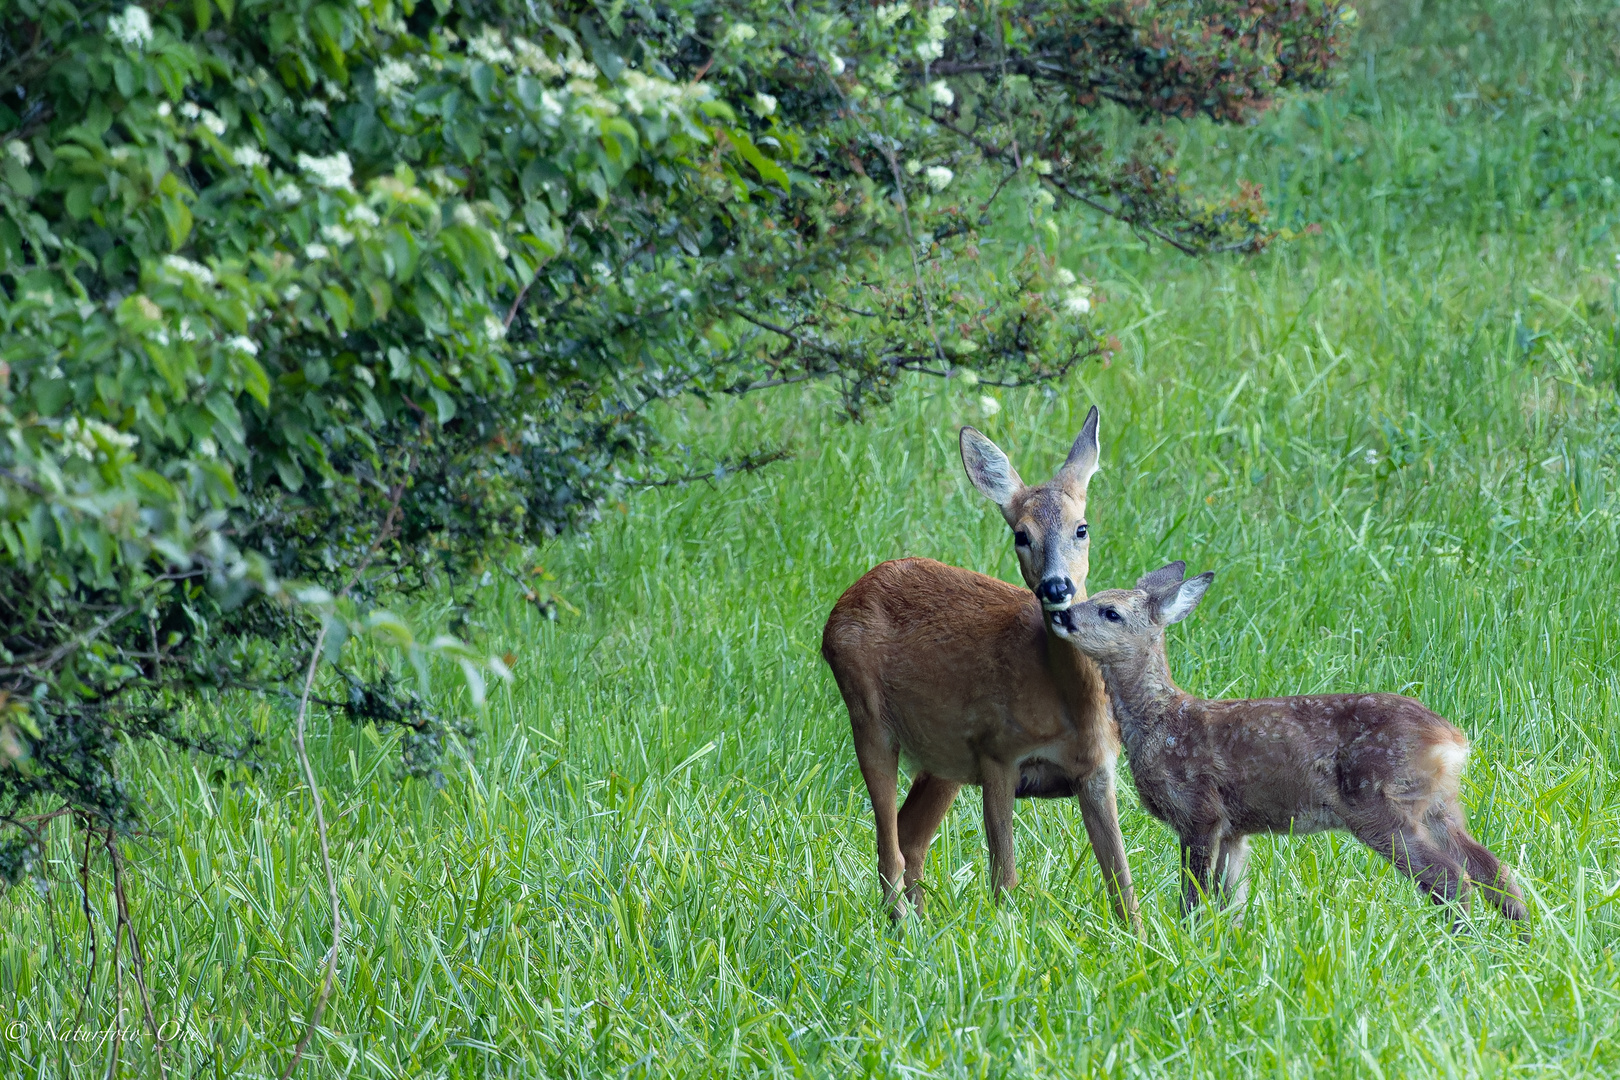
[[1380, 766], [956, 670]]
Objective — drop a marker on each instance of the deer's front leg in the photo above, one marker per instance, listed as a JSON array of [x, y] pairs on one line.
[[1198, 853], [1000, 783], [1099, 809]]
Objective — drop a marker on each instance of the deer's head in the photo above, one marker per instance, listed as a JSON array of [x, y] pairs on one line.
[[1048, 520], [1126, 625]]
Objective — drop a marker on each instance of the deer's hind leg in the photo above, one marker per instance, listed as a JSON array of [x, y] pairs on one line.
[[927, 803], [1409, 845], [1493, 880], [879, 760]]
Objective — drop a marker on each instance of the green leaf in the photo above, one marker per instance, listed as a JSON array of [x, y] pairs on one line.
[[338, 306], [769, 171], [443, 402], [255, 381]]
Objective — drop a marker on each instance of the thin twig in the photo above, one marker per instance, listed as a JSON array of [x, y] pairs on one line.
[[326, 857], [127, 925], [745, 464], [89, 917], [117, 1040], [1000, 153], [330, 976], [911, 246], [22, 482]]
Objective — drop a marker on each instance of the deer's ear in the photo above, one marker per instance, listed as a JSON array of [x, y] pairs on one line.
[[989, 469], [1082, 461], [1162, 579], [1174, 606]]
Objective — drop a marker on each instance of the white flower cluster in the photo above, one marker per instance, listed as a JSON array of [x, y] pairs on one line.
[[179, 264], [941, 93], [212, 121], [393, 76], [316, 252], [361, 214], [80, 437], [337, 234], [288, 193], [243, 344], [133, 28], [939, 177], [533, 58], [764, 104], [489, 47], [249, 156], [494, 329], [1076, 297], [642, 93], [18, 151], [889, 14], [335, 172], [934, 47]]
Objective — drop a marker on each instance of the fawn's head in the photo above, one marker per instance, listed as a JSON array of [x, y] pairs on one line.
[[1048, 520], [1122, 625]]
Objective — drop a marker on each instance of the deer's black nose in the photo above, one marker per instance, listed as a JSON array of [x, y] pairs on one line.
[[1055, 592]]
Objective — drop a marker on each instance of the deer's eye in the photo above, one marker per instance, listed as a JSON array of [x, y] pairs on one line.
[[1111, 615], [1080, 531], [1021, 538]]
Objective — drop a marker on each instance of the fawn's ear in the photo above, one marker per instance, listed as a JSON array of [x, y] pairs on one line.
[[1082, 461], [1174, 605], [1162, 579], [989, 469]]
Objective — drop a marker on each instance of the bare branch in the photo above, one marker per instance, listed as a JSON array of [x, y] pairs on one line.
[[746, 464], [326, 858], [127, 926]]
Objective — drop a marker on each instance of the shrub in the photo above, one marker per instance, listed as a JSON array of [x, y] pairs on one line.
[[303, 303]]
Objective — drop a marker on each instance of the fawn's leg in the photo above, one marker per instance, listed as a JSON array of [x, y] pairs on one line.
[[1232, 870], [1100, 811], [927, 803], [1000, 784], [1198, 854], [1409, 846], [1489, 876]]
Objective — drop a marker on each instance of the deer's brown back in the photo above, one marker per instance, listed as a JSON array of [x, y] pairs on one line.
[[961, 666]]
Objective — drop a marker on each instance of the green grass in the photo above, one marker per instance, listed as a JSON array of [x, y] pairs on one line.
[[1395, 442]]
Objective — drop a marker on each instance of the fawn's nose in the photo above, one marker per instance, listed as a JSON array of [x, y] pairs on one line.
[[1055, 593]]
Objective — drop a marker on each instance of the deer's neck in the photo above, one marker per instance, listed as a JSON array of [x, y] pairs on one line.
[[1142, 694], [1078, 678]]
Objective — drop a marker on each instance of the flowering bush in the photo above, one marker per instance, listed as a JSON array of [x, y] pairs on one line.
[[303, 301]]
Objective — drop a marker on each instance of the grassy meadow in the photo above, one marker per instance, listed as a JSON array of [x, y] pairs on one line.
[[1394, 440]]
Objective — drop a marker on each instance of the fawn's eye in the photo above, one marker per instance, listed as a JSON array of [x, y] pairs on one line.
[[1021, 538], [1080, 531], [1111, 615]]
